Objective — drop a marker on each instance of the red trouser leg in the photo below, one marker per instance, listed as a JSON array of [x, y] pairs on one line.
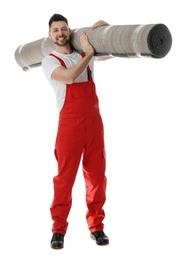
[[77, 136], [94, 164], [69, 148]]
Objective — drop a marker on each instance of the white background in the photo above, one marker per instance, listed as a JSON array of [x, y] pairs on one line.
[[142, 104]]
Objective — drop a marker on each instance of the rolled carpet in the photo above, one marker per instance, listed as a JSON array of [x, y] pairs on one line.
[[150, 40]]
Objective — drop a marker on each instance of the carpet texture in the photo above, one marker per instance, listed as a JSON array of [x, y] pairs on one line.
[[149, 40]]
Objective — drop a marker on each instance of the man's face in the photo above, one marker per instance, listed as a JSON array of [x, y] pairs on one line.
[[60, 33]]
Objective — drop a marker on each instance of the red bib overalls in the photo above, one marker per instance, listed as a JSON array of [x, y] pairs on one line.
[[80, 135]]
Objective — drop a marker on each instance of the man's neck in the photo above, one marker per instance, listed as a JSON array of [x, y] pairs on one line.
[[64, 49]]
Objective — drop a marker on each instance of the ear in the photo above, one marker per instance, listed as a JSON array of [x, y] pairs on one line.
[[49, 34], [70, 31]]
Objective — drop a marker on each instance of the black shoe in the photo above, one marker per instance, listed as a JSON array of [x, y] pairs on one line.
[[100, 237], [57, 241]]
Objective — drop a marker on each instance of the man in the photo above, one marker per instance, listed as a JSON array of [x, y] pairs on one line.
[[80, 130]]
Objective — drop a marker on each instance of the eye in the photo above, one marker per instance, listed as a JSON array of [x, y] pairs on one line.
[[64, 29]]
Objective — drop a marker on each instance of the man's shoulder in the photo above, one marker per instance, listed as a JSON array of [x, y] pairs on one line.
[[48, 58]]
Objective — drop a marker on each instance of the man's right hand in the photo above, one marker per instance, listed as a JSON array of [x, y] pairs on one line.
[[85, 44]]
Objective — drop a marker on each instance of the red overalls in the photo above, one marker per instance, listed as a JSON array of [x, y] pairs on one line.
[[80, 134]]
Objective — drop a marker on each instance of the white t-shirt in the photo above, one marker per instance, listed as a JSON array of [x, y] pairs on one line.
[[49, 63]]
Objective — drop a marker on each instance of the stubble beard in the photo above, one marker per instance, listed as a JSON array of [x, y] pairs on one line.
[[63, 44]]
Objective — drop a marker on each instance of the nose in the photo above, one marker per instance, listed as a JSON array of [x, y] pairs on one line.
[[60, 32]]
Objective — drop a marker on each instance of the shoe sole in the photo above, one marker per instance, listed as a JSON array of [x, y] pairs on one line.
[[104, 244], [56, 248]]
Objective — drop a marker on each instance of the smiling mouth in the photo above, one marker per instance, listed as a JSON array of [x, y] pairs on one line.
[[61, 39]]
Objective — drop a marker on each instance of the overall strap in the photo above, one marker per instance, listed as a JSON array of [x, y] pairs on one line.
[[61, 61], [88, 68]]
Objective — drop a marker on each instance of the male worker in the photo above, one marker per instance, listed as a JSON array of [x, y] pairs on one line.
[[80, 130]]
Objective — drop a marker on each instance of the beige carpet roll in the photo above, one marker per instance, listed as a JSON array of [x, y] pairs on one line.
[[150, 40]]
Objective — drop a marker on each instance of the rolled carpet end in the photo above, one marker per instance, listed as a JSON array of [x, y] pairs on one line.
[[159, 41]]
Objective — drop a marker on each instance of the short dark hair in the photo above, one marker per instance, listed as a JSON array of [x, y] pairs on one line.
[[56, 18]]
